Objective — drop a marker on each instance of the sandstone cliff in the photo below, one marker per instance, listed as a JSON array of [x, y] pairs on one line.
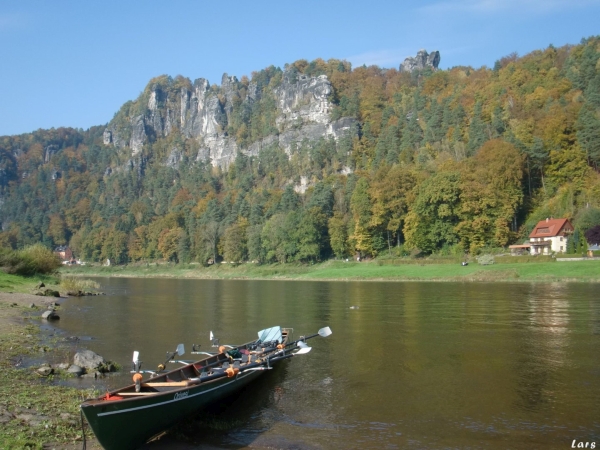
[[300, 106], [422, 60]]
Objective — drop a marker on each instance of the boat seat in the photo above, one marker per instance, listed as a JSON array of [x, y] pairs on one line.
[[236, 364], [225, 365]]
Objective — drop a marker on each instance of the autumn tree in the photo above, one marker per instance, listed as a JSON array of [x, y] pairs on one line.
[[491, 194]]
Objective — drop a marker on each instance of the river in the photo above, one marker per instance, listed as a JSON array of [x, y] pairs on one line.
[[409, 365]]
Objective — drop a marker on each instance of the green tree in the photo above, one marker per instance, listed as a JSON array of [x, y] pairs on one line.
[[477, 134], [309, 235], [276, 240], [432, 217], [210, 234], [588, 133], [338, 235], [360, 206], [235, 242]]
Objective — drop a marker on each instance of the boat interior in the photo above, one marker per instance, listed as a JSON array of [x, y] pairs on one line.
[[227, 363]]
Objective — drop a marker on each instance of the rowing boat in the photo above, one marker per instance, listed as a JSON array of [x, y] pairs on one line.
[[128, 417]]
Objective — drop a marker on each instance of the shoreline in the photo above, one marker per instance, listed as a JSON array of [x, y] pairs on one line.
[[36, 411], [331, 271]]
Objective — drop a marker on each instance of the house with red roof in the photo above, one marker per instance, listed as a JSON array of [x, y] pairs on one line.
[[64, 253], [550, 236]]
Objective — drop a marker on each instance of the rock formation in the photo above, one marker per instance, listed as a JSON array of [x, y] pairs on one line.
[[202, 112], [422, 60]]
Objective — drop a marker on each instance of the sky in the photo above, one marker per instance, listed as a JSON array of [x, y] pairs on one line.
[[74, 63]]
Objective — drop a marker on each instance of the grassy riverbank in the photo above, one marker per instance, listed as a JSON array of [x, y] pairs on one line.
[[35, 413], [583, 271]]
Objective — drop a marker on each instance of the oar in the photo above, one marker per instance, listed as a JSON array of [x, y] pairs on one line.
[[180, 350], [264, 364], [323, 332], [137, 364]]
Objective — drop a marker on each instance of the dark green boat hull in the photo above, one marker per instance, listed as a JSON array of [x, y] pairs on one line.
[[128, 424]]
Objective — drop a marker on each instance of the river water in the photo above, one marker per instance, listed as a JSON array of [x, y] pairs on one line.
[[409, 365]]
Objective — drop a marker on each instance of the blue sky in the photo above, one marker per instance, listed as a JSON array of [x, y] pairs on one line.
[[68, 63]]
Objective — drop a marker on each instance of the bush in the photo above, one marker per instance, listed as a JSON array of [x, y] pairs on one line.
[[485, 260], [73, 284], [35, 259]]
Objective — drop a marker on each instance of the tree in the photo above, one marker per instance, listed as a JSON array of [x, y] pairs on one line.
[[275, 238], [235, 242], [592, 235], [56, 230], [114, 247], [360, 206], [587, 218], [137, 243], [255, 248], [537, 157], [476, 130], [491, 193], [588, 133], [411, 138], [168, 243], [433, 215], [338, 235], [209, 235], [391, 192], [289, 199], [310, 235]]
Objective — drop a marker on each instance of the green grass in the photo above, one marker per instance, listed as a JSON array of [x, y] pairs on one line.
[[339, 270], [16, 283]]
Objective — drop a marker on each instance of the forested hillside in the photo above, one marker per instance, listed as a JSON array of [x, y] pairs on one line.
[[318, 160]]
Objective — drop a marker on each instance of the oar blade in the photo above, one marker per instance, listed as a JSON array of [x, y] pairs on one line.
[[136, 356], [180, 349], [302, 344], [324, 332], [303, 350]]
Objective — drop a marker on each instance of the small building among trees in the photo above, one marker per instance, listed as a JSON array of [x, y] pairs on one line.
[[550, 235], [64, 253]]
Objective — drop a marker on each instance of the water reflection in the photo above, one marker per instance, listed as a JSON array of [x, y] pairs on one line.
[[428, 365]]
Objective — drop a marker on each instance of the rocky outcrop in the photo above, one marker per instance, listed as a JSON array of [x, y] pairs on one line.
[[138, 135], [49, 152], [174, 158], [422, 60], [303, 101], [202, 112]]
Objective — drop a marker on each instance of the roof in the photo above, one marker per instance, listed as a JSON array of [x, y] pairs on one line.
[[551, 227], [520, 246]]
